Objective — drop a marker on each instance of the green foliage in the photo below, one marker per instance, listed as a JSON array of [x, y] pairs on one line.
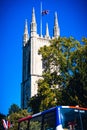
[[15, 113], [57, 57], [75, 92], [14, 108], [65, 74], [44, 99], [48, 97], [15, 116], [34, 103], [35, 125]]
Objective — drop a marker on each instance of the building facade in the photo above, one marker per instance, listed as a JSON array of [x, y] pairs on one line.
[[32, 63]]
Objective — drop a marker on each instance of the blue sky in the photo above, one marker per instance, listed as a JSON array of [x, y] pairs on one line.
[[72, 18]]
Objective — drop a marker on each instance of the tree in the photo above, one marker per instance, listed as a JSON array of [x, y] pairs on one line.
[[14, 108], [13, 118], [57, 59], [34, 103], [77, 87], [65, 70], [44, 99], [47, 95]]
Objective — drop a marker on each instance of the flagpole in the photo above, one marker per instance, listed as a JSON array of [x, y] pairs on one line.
[[41, 19]]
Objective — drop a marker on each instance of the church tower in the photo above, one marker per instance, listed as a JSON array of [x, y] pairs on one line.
[[32, 65]]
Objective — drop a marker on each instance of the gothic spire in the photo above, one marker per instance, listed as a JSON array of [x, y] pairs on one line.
[[56, 27], [33, 16], [26, 35], [33, 24], [47, 30]]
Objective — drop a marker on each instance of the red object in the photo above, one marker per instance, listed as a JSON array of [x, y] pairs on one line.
[[8, 123], [25, 118]]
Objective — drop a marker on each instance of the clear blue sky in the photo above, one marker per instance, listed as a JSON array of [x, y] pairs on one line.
[[72, 17]]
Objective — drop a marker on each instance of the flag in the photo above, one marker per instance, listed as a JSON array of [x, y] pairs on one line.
[[45, 12], [4, 124], [8, 124]]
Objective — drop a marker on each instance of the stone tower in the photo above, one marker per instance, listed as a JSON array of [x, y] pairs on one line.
[[32, 63]]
